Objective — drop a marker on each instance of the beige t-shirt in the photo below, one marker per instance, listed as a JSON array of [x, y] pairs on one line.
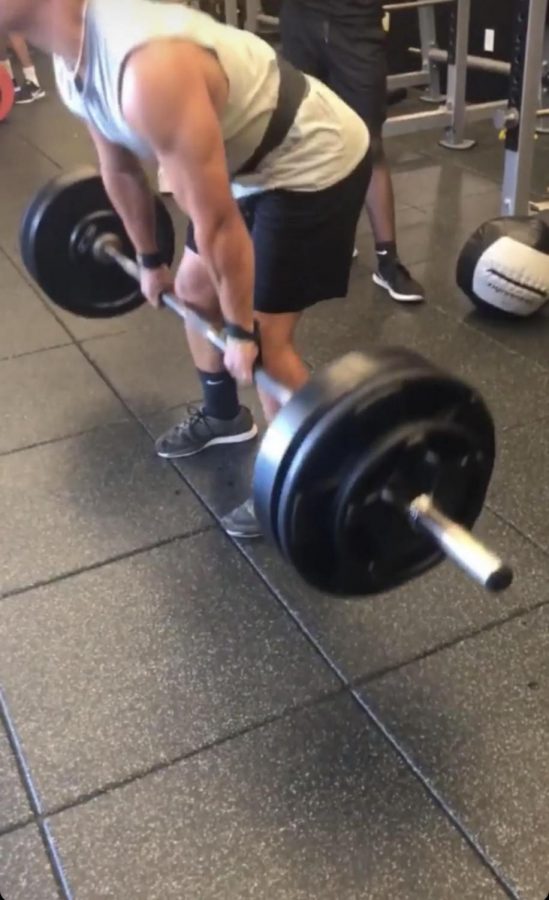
[[325, 143]]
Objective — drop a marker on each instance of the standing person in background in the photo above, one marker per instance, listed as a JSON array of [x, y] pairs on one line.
[[342, 42], [30, 90]]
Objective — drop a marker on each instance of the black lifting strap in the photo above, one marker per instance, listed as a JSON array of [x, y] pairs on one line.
[[291, 92]]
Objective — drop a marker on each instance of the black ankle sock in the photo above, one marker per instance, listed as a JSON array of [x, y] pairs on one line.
[[220, 394], [386, 252]]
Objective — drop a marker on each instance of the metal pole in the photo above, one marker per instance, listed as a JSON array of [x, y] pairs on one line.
[[454, 139], [231, 12], [482, 63], [530, 18], [253, 10], [428, 37], [414, 4], [543, 127]]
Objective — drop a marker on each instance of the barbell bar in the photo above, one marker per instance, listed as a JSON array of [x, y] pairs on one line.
[[456, 542], [370, 475], [107, 248]]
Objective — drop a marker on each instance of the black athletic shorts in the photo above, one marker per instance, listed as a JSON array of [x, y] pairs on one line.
[[348, 57], [303, 242]]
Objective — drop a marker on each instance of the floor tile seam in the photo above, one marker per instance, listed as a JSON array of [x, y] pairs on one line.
[[462, 638], [25, 353], [137, 418], [511, 351], [514, 527], [165, 765], [19, 825], [24, 137], [19, 267], [502, 878], [62, 438], [466, 164], [33, 798], [111, 560]]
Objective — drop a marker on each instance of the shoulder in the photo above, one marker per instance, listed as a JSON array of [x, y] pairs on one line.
[[159, 68], [160, 79]]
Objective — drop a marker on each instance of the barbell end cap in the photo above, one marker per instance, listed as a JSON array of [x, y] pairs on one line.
[[500, 580]]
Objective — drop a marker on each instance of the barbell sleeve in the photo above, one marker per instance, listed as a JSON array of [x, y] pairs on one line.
[[460, 545], [107, 248]]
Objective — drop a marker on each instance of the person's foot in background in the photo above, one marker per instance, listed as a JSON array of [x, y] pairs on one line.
[[28, 92], [30, 89]]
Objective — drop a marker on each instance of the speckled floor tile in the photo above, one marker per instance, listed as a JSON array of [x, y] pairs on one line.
[[151, 367], [28, 170], [142, 661], [316, 805], [14, 806], [500, 375], [27, 325], [437, 183], [50, 395], [81, 501], [24, 868], [363, 636], [520, 491], [475, 719]]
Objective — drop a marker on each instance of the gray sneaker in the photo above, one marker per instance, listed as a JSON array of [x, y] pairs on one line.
[[199, 431], [242, 522]]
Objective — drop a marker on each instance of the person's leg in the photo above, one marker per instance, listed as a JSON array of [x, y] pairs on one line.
[[279, 356], [282, 362], [5, 61], [358, 73], [31, 89], [380, 199], [303, 254], [302, 36], [220, 419]]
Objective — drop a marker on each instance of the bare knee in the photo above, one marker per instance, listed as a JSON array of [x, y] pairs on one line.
[[193, 286], [281, 360]]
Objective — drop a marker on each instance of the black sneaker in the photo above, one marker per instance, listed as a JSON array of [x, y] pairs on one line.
[[395, 278], [28, 92], [198, 431], [242, 522]]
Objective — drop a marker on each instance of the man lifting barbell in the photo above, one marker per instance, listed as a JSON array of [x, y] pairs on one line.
[[211, 103], [376, 467]]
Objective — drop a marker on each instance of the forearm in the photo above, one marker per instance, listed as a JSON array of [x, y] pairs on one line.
[[228, 252], [132, 198]]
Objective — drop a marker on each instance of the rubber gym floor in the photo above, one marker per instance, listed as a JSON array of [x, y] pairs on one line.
[[183, 719]]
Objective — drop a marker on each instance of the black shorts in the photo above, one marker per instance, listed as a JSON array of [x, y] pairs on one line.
[[303, 242], [349, 57]]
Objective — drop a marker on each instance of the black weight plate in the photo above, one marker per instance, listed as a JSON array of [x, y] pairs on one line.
[[440, 459], [324, 390], [349, 416], [77, 282]]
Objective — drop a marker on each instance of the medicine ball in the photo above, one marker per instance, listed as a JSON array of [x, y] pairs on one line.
[[504, 266]]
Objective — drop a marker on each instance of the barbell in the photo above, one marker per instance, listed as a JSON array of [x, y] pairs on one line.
[[7, 93], [370, 475]]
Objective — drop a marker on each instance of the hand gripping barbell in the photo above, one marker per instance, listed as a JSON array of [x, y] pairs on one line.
[[370, 475]]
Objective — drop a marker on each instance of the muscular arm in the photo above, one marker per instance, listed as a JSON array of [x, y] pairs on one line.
[[167, 98], [129, 191]]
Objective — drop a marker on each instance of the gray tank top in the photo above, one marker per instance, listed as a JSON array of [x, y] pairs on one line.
[[335, 138]]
